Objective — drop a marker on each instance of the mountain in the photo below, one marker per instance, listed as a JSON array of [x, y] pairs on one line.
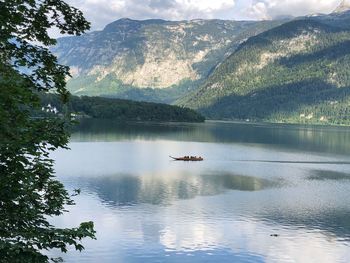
[[344, 6], [296, 72], [151, 60]]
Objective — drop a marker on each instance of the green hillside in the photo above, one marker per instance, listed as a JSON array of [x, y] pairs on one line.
[[117, 109], [297, 72]]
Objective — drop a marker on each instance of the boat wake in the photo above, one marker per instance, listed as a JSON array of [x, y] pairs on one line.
[[294, 162]]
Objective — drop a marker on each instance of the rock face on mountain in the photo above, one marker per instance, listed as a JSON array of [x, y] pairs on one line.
[[129, 55], [343, 7], [297, 72]]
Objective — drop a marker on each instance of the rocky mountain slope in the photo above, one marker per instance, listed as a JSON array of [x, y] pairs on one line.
[[343, 7], [297, 72], [152, 60]]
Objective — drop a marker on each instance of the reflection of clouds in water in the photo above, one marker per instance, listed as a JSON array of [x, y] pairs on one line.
[[121, 190], [199, 226], [161, 208], [290, 246], [187, 238], [295, 246], [307, 206]]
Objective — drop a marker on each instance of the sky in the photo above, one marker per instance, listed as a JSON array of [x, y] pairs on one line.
[[102, 12]]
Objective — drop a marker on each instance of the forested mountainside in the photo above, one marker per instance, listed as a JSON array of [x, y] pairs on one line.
[[151, 60], [116, 109], [296, 72]]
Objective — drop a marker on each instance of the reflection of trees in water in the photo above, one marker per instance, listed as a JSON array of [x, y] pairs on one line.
[[323, 175], [109, 130], [334, 221], [129, 190], [310, 138]]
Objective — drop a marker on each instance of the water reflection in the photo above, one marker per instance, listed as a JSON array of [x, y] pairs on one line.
[[334, 224], [298, 207], [328, 175], [147, 208], [307, 138], [124, 190]]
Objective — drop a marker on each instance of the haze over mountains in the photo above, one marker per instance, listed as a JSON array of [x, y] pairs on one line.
[[283, 70]]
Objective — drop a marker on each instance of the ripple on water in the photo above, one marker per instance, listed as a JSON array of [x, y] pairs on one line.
[[291, 206]]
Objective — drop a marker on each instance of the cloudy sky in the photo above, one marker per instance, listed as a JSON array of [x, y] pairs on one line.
[[102, 12]]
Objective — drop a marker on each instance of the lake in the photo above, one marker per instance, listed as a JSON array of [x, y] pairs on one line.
[[264, 193]]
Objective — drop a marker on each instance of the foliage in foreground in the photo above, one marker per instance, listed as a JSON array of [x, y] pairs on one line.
[[29, 192]]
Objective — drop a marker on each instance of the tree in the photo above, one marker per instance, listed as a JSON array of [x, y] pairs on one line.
[[29, 191]]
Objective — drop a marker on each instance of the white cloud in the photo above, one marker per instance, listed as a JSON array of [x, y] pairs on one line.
[[207, 6], [102, 12], [266, 9]]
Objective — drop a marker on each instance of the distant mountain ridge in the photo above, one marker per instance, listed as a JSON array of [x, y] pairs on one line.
[[292, 70], [344, 6], [136, 59], [296, 72]]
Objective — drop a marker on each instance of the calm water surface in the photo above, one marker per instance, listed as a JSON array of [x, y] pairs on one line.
[[265, 193]]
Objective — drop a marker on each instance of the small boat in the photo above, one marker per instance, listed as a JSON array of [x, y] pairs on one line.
[[188, 158]]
